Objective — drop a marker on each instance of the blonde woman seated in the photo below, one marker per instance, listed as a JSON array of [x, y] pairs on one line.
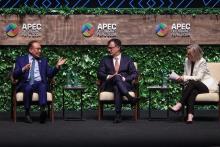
[[196, 78]]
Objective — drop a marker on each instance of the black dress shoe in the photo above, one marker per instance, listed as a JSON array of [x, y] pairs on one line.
[[28, 119], [43, 116], [132, 99], [117, 118]]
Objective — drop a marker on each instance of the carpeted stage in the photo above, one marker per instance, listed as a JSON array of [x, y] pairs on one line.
[[205, 131]]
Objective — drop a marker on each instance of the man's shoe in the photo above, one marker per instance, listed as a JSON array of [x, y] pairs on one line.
[[117, 118], [43, 116], [28, 119], [132, 99]]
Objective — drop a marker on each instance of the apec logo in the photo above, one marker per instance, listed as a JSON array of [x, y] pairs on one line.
[[162, 29], [101, 30], [176, 29], [87, 30], [11, 30], [27, 30]]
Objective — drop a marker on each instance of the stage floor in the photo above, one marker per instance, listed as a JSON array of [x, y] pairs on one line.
[[205, 131]]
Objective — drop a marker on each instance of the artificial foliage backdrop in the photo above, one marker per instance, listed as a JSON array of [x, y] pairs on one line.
[[154, 62]]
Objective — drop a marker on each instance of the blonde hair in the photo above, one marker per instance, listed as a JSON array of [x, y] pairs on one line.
[[196, 50]]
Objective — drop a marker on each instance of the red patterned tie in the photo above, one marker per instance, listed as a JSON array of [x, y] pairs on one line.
[[116, 65]]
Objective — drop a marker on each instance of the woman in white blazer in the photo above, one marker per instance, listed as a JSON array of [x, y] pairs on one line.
[[196, 78]]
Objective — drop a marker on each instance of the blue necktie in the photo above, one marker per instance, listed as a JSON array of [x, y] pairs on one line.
[[32, 72]]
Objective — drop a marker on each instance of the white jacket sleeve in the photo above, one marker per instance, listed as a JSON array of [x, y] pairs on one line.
[[185, 68], [201, 70]]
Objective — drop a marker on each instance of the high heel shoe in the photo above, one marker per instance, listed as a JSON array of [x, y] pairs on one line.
[[177, 107], [189, 119], [189, 122], [175, 111]]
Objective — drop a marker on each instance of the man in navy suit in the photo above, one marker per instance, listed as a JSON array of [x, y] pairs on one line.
[[33, 71], [117, 73]]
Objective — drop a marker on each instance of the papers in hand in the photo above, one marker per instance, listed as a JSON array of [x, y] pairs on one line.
[[173, 76]]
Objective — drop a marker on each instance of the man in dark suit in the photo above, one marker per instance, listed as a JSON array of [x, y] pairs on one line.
[[33, 71], [117, 73]]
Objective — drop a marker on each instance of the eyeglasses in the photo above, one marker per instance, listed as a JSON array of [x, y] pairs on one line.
[[109, 47]]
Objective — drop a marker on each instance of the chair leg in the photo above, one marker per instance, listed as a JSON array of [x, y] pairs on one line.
[[14, 113], [100, 111], [48, 111], [135, 112], [138, 110], [11, 109], [52, 113], [102, 107], [183, 111], [219, 111]]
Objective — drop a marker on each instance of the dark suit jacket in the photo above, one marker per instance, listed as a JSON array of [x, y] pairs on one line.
[[126, 69], [45, 70]]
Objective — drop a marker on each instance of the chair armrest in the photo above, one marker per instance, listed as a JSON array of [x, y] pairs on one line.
[[181, 85], [13, 80], [135, 82], [51, 84], [219, 90], [52, 81], [98, 82]]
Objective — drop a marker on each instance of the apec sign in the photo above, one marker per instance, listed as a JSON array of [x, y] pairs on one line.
[[180, 30], [98, 29], [27, 30], [107, 30], [31, 30], [176, 29]]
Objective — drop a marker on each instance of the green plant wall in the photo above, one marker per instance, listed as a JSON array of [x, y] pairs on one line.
[[104, 11], [84, 60]]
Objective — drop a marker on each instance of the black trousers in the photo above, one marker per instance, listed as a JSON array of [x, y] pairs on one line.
[[119, 88], [190, 91]]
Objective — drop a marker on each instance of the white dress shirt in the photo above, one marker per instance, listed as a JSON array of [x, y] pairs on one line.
[[37, 76], [119, 61]]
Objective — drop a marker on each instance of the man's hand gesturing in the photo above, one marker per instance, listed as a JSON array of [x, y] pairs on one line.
[[26, 67], [60, 62]]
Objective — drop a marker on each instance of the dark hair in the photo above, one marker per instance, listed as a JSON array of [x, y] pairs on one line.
[[116, 41], [31, 43]]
